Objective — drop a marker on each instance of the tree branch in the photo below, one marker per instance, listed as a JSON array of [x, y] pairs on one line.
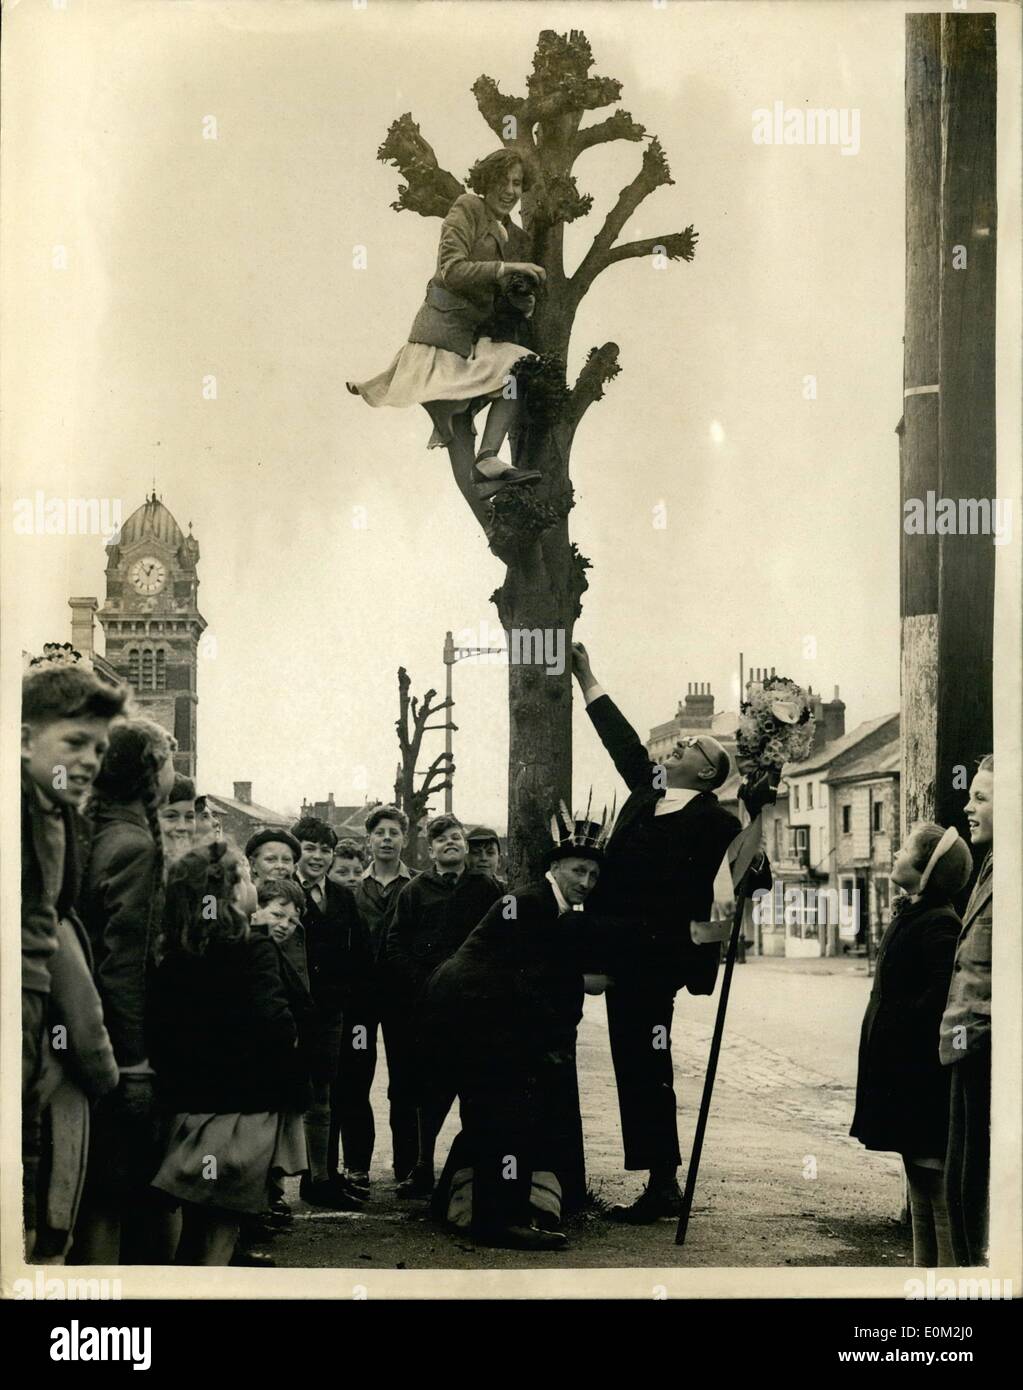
[[441, 768], [559, 83], [600, 367], [429, 190], [677, 246], [653, 173], [401, 723], [620, 126], [495, 108]]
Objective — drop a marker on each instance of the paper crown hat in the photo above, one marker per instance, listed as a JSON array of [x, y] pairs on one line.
[[578, 836]]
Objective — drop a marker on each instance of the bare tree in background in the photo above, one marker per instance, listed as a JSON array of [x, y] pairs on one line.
[[411, 724]]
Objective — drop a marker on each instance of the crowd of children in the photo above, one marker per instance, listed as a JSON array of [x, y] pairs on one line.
[[201, 1020]]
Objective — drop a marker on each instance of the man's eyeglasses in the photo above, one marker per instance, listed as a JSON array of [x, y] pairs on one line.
[[694, 742]]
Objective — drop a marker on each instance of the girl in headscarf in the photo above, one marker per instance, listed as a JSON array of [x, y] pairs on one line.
[[902, 1090]]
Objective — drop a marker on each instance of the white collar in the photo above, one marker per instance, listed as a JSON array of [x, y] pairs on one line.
[[675, 798], [563, 904]]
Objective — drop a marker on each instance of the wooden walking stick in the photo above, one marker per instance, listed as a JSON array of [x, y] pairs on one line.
[[776, 725], [741, 900]]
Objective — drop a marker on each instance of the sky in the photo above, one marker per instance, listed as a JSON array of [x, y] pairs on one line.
[[237, 257]]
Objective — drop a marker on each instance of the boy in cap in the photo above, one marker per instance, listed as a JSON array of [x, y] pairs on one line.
[[484, 852]]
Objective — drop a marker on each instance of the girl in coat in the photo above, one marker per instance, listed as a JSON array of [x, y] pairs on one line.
[[224, 1045], [456, 361], [119, 1223], [902, 1090]]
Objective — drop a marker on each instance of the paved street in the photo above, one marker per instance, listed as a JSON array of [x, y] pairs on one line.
[[781, 1182]]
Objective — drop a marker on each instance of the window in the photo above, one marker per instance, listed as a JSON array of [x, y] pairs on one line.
[[799, 840], [878, 812], [147, 669], [809, 796], [795, 798], [846, 820], [823, 794]]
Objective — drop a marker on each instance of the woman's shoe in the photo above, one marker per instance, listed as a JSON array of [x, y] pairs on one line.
[[490, 474]]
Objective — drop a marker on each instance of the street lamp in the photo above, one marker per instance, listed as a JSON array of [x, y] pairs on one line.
[[451, 655]]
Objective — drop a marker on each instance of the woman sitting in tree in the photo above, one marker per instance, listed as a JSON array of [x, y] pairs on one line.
[[457, 358]]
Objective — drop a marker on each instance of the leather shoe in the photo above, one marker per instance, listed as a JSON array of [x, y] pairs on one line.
[[648, 1207], [419, 1183], [527, 1238], [355, 1182], [333, 1195], [252, 1259]]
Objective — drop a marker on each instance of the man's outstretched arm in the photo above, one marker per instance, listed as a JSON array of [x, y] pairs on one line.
[[616, 733]]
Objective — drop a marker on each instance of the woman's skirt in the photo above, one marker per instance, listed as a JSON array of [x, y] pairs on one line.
[[444, 383], [227, 1160]]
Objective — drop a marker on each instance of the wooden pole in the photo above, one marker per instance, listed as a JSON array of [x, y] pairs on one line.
[[969, 216], [918, 428]]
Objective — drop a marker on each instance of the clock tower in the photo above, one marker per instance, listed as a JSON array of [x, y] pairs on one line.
[[152, 621]]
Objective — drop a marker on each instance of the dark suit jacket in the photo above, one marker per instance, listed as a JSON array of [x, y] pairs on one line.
[[514, 989], [654, 942], [337, 947]]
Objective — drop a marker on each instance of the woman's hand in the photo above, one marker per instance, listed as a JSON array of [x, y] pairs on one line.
[[536, 272]]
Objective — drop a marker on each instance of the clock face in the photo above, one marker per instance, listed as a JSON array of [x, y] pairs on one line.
[[148, 575]]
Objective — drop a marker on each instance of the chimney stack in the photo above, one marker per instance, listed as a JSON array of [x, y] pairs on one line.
[[834, 717], [243, 792], [699, 706], [82, 610]]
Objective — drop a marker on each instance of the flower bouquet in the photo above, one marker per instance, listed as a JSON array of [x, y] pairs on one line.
[[776, 726]]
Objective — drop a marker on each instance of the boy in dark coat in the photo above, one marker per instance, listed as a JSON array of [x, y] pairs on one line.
[[376, 886], [433, 915], [66, 714], [337, 954]]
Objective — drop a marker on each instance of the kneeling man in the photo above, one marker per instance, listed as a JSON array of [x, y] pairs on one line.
[[501, 1019]]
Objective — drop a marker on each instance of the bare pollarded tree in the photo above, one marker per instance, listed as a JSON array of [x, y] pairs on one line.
[[527, 527], [411, 724]]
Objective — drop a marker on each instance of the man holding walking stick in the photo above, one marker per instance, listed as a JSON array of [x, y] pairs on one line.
[[663, 855]]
